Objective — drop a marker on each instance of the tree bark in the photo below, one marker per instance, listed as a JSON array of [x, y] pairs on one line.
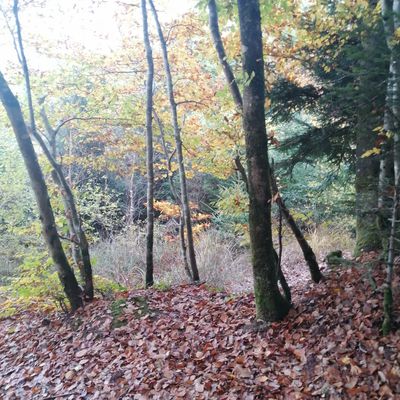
[[391, 22], [168, 157], [388, 293], [149, 149], [79, 243], [281, 276], [65, 272], [179, 149], [68, 198], [219, 47], [270, 304], [308, 253]]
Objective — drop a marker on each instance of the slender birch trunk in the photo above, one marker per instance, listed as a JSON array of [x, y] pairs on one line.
[[388, 292], [179, 148], [149, 149], [391, 22]]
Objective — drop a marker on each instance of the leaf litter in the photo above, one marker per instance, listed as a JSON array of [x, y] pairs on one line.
[[192, 343]]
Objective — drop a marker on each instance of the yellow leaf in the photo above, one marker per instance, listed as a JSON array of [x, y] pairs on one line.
[[371, 152]]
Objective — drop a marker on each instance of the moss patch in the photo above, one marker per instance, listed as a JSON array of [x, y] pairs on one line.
[[117, 312]]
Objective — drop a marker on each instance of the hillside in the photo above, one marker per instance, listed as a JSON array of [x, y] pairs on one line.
[[192, 343]]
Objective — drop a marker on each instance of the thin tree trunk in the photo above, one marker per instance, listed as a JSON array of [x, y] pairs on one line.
[[386, 164], [270, 304], [84, 263], [219, 47], [179, 149], [391, 23], [77, 233], [149, 149], [79, 244], [281, 276], [168, 157], [129, 216], [25, 68], [396, 91], [388, 294], [65, 272], [308, 253]]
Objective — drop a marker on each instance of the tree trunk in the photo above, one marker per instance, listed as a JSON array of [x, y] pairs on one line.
[[65, 273], [179, 149], [270, 304], [168, 157], [219, 47], [386, 164], [79, 244], [308, 253], [281, 276], [388, 294], [391, 23], [368, 236], [149, 149]]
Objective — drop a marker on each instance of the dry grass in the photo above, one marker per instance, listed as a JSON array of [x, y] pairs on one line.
[[221, 261]]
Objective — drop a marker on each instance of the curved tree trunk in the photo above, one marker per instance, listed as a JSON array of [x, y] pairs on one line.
[[179, 149], [270, 304], [308, 252], [65, 272], [79, 244], [219, 47], [149, 149]]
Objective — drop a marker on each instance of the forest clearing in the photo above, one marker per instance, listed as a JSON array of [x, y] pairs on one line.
[[199, 199]]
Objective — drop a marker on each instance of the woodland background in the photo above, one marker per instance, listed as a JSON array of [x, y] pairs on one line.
[[95, 91]]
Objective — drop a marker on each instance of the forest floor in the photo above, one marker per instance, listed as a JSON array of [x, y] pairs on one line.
[[194, 343]]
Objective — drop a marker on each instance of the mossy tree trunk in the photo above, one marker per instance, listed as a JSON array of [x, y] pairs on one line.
[[388, 294], [270, 304], [308, 253], [65, 272]]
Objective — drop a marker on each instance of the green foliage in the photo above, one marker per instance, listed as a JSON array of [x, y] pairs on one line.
[[319, 194], [162, 286], [37, 285], [117, 312], [100, 208], [346, 58], [118, 306], [232, 209], [18, 228]]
